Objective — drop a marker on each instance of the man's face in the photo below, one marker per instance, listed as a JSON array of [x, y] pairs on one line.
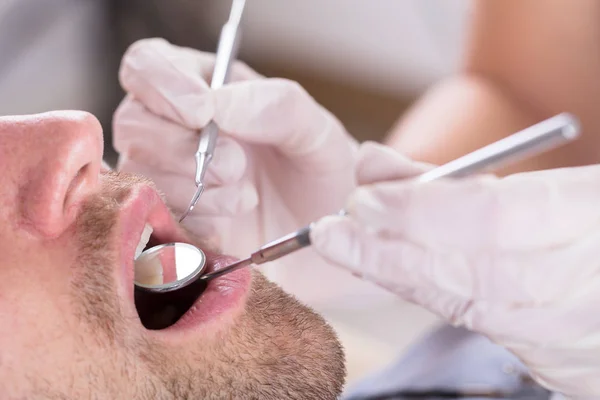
[[68, 324]]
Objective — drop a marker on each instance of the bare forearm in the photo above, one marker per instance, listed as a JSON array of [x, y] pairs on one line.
[[526, 60], [460, 115]]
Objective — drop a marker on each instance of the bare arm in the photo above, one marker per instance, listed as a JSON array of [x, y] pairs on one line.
[[526, 60]]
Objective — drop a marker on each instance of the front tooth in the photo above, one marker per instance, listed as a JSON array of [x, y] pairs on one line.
[[144, 239], [148, 271]]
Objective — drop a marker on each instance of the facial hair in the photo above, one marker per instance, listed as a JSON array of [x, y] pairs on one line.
[[276, 348]]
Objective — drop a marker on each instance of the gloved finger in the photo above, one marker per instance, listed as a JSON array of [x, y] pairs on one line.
[[377, 163], [443, 282], [222, 200], [280, 113], [427, 213], [391, 263], [145, 138], [521, 212], [398, 266], [512, 279], [528, 324], [173, 90], [529, 278], [172, 81], [567, 353]]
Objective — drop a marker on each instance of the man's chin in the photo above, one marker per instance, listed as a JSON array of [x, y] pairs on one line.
[[277, 348]]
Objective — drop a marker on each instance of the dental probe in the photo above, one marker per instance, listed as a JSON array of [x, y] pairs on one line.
[[226, 53], [531, 141]]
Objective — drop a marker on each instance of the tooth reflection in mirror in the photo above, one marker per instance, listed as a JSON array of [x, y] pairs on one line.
[[168, 266], [166, 283]]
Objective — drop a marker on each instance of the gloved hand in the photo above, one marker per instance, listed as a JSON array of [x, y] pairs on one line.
[[281, 160], [516, 259]]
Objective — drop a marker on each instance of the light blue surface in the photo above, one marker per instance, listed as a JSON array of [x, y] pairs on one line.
[[449, 358]]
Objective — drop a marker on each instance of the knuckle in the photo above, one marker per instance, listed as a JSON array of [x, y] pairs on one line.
[[143, 45], [291, 88]]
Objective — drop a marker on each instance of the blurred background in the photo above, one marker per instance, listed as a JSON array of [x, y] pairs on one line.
[[364, 61]]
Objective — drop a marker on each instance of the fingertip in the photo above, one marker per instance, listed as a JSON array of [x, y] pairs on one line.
[[377, 163], [134, 57], [165, 79], [335, 239], [364, 202], [149, 139], [381, 207]]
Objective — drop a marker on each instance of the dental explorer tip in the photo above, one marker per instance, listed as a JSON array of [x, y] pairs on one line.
[[193, 203]]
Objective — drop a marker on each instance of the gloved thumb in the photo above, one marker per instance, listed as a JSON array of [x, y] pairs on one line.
[[398, 266], [377, 163], [349, 244], [166, 79], [335, 239]]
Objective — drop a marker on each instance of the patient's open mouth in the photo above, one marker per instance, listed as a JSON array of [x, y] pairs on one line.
[[159, 310], [162, 310], [147, 223]]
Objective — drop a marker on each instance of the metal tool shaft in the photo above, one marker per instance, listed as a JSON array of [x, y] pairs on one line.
[[531, 141], [226, 54], [227, 50], [228, 46], [534, 140], [271, 251]]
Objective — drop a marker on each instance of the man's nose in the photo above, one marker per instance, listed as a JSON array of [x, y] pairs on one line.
[[61, 156]]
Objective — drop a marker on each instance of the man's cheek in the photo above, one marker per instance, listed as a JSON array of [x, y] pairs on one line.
[[33, 323], [35, 286]]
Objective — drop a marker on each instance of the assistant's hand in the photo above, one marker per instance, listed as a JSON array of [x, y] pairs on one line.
[[281, 160], [516, 259]]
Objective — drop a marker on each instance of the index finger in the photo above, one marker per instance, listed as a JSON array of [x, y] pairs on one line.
[[521, 212], [172, 81]]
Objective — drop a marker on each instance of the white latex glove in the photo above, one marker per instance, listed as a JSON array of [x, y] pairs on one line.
[[281, 160], [516, 259]]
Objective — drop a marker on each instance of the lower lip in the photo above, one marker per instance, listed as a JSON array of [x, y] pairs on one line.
[[222, 296]]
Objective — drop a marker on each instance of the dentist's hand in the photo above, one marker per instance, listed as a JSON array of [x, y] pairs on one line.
[[517, 259], [281, 160]]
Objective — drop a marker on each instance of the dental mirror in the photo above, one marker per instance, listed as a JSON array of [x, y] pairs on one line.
[[167, 283], [168, 267]]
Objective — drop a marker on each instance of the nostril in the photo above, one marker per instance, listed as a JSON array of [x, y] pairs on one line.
[[78, 183], [59, 170], [50, 202]]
